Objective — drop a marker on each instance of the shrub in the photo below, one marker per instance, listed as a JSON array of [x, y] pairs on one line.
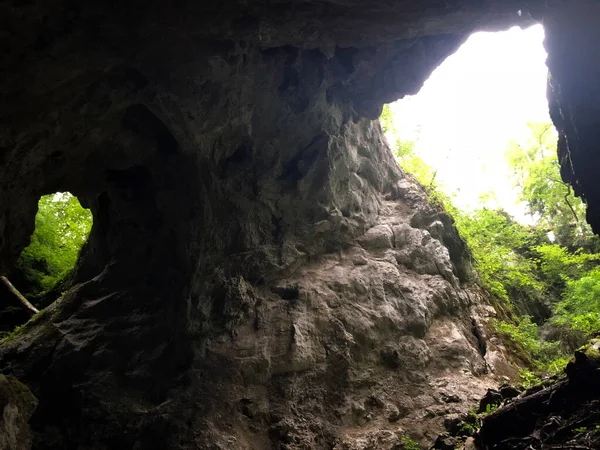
[[525, 335], [580, 307]]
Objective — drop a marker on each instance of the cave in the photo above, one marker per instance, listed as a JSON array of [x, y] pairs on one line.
[[260, 273]]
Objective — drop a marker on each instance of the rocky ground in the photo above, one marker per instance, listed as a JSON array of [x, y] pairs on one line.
[[562, 412]]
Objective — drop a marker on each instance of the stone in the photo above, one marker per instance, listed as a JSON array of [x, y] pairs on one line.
[[374, 401], [470, 444], [573, 106], [441, 226], [377, 238], [490, 401], [415, 248], [17, 404], [445, 442], [451, 398], [453, 423], [508, 392], [392, 413]]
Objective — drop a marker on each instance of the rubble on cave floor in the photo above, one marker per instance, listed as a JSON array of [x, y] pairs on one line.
[[563, 412]]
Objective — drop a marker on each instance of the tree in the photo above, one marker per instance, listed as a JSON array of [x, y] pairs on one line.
[[536, 172], [413, 164], [499, 245], [559, 266], [405, 152], [386, 119], [580, 307]]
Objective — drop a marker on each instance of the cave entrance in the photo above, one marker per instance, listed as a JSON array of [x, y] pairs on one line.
[[45, 267], [479, 138], [464, 118]]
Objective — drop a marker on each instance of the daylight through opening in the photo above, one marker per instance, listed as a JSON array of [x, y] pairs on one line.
[[62, 227], [479, 138]]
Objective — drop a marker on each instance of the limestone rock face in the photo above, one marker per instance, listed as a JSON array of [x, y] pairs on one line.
[[260, 273], [350, 349]]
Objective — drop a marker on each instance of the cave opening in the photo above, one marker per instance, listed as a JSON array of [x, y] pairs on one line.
[[46, 267], [478, 136], [473, 106]]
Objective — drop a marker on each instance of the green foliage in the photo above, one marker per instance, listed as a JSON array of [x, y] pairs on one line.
[[528, 378], [472, 421], [525, 334], [413, 164], [404, 151], [536, 172], [62, 226], [559, 265], [557, 366], [496, 241], [467, 429], [408, 443], [386, 119], [490, 408], [580, 306], [16, 332]]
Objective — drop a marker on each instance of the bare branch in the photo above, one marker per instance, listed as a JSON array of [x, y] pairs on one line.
[[569, 203], [32, 309]]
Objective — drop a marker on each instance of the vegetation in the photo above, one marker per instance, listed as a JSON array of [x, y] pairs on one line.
[[409, 444], [537, 176], [528, 378], [545, 278], [62, 226], [579, 308]]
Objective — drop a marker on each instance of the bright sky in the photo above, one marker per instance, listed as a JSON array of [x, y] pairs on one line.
[[472, 106]]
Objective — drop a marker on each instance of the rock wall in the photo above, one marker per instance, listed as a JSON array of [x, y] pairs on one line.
[[260, 273], [349, 350], [573, 45]]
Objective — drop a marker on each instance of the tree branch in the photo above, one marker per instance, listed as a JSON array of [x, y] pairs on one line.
[[32, 309], [569, 203], [568, 186]]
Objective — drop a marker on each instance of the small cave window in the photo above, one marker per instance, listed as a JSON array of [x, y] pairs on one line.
[[62, 227]]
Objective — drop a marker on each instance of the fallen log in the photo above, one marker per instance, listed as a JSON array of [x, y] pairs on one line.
[[519, 418], [32, 309]]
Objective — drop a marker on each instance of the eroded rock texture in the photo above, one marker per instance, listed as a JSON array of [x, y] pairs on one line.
[[260, 273], [573, 44]]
